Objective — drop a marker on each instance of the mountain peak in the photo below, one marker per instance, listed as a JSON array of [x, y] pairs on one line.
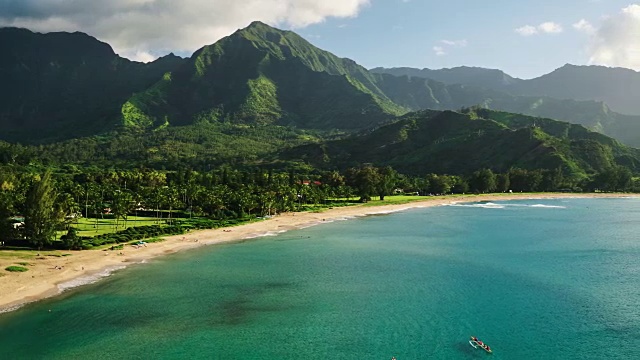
[[258, 24], [572, 67], [258, 27]]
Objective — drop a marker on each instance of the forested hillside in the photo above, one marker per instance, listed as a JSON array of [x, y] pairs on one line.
[[460, 143], [261, 122], [65, 85], [263, 76], [617, 87], [492, 89], [263, 97]]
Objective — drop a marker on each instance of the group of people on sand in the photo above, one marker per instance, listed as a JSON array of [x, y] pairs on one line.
[[184, 238]]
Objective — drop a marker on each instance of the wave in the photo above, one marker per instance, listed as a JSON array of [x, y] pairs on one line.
[[89, 279], [11, 308], [264, 234], [490, 205], [391, 211], [548, 206], [344, 218]]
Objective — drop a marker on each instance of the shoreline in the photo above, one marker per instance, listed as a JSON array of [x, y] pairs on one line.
[[50, 275]]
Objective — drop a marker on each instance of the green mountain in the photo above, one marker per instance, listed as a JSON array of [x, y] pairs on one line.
[[617, 87], [417, 92], [260, 75], [266, 97], [459, 143], [60, 85], [463, 75]]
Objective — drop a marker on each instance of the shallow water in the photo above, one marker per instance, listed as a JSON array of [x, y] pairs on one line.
[[536, 279]]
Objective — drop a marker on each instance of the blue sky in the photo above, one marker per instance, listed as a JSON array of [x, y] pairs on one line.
[[525, 38], [404, 33]]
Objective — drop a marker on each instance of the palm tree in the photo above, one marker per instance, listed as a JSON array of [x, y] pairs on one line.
[[69, 208]]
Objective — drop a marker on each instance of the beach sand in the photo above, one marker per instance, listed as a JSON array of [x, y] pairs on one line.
[[50, 273]]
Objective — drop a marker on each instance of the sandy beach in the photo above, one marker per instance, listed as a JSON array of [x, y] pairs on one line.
[[50, 273]]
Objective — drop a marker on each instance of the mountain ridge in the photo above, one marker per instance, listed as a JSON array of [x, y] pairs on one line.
[[59, 85], [278, 67], [615, 86], [451, 142], [249, 97]]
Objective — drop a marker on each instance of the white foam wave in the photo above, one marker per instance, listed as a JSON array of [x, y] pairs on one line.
[[88, 279], [391, 211], [548, 206], [344, 218], [308, 225], [11, 308], [490, 205], [264, 234]]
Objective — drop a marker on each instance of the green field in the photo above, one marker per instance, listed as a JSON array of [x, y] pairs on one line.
[[396, 199], [89, 227]]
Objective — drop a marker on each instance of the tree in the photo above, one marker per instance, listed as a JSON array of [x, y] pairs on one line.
[[387, 181], [483, 181], [41, 216], [121, 205], [333, 179], [460, 185], [171, 199], [552, 179], [69, 208], [365, 180], [6, 209], [616, 178], [71, 240], [525, 180], [438, 184], [502, 183]]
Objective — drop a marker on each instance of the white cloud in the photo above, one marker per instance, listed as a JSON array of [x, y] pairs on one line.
[[585, 27], [527, 30], [544, 28], [616, 42], [159, 26], [633, 10], [444, 46], [456, 43], [142, 56], [550, 28]]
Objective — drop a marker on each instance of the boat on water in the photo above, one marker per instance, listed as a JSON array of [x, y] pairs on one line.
[[477, 343]]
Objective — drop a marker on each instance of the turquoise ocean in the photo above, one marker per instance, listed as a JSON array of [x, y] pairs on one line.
[[534, 279]]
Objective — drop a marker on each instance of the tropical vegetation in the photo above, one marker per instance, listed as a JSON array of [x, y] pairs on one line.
[[259, 123]]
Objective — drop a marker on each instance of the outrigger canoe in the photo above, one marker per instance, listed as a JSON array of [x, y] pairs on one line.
[[477, 343]]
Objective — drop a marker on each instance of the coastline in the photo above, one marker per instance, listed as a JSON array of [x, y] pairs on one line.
[[49, 275]]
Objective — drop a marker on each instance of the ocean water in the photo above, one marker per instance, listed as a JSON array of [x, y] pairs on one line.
[[535, 279]]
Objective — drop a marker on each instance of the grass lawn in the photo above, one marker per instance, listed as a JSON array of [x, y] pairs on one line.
[[7, 254], [397, 199], [87, 227], [18, 254]]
